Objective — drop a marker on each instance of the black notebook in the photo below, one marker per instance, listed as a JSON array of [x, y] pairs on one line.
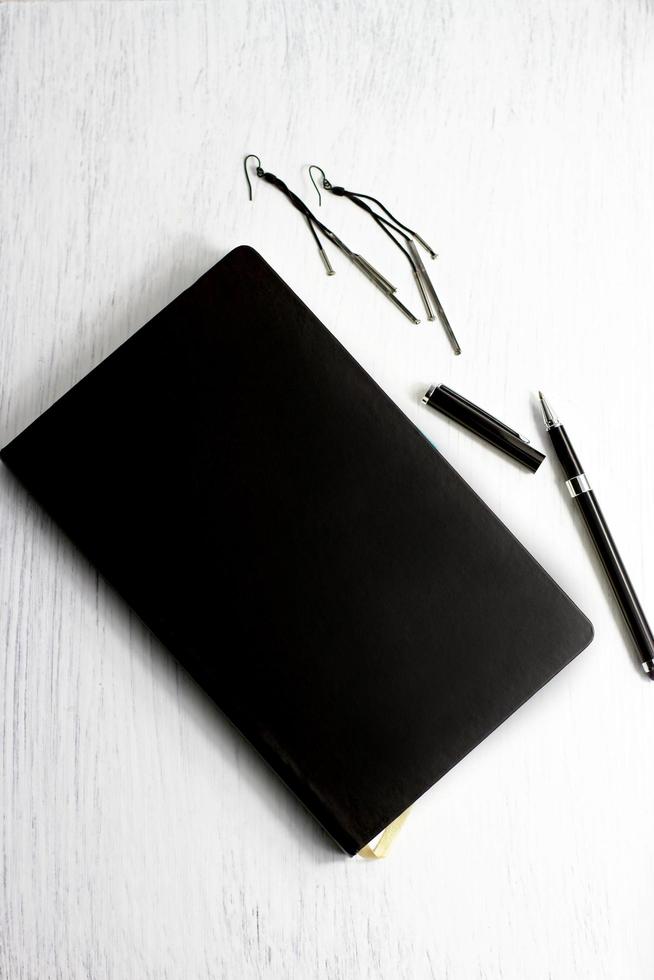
[[299, 546]]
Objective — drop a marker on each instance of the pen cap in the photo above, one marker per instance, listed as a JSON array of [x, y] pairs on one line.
[[477, 420]]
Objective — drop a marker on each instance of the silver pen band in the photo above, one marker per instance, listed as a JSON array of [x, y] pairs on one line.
[[578, 484]]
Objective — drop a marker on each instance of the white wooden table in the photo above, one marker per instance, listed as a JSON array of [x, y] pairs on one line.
[[141, 837]]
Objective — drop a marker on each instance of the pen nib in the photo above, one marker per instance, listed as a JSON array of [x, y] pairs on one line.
[[549, 415]]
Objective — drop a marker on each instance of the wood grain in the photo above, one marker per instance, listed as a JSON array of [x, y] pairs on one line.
[[141, 838]]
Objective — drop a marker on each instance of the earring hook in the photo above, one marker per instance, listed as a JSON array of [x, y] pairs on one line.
[[325, 183], [251, 156]]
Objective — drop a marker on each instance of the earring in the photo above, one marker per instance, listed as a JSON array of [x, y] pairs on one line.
[[407, 246], [315, 225]]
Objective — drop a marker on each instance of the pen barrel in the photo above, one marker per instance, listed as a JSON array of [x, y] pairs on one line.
[[617, 574], [565, 453]]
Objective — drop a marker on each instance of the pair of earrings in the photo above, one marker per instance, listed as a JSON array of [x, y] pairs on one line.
[[401, 235]]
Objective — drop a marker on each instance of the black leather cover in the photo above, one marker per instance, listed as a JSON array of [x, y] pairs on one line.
[[328, 578]]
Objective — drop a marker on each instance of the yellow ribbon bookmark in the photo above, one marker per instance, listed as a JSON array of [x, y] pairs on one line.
[[385, 842]]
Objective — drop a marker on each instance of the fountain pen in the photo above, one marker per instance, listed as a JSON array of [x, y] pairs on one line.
[[580, 491]]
